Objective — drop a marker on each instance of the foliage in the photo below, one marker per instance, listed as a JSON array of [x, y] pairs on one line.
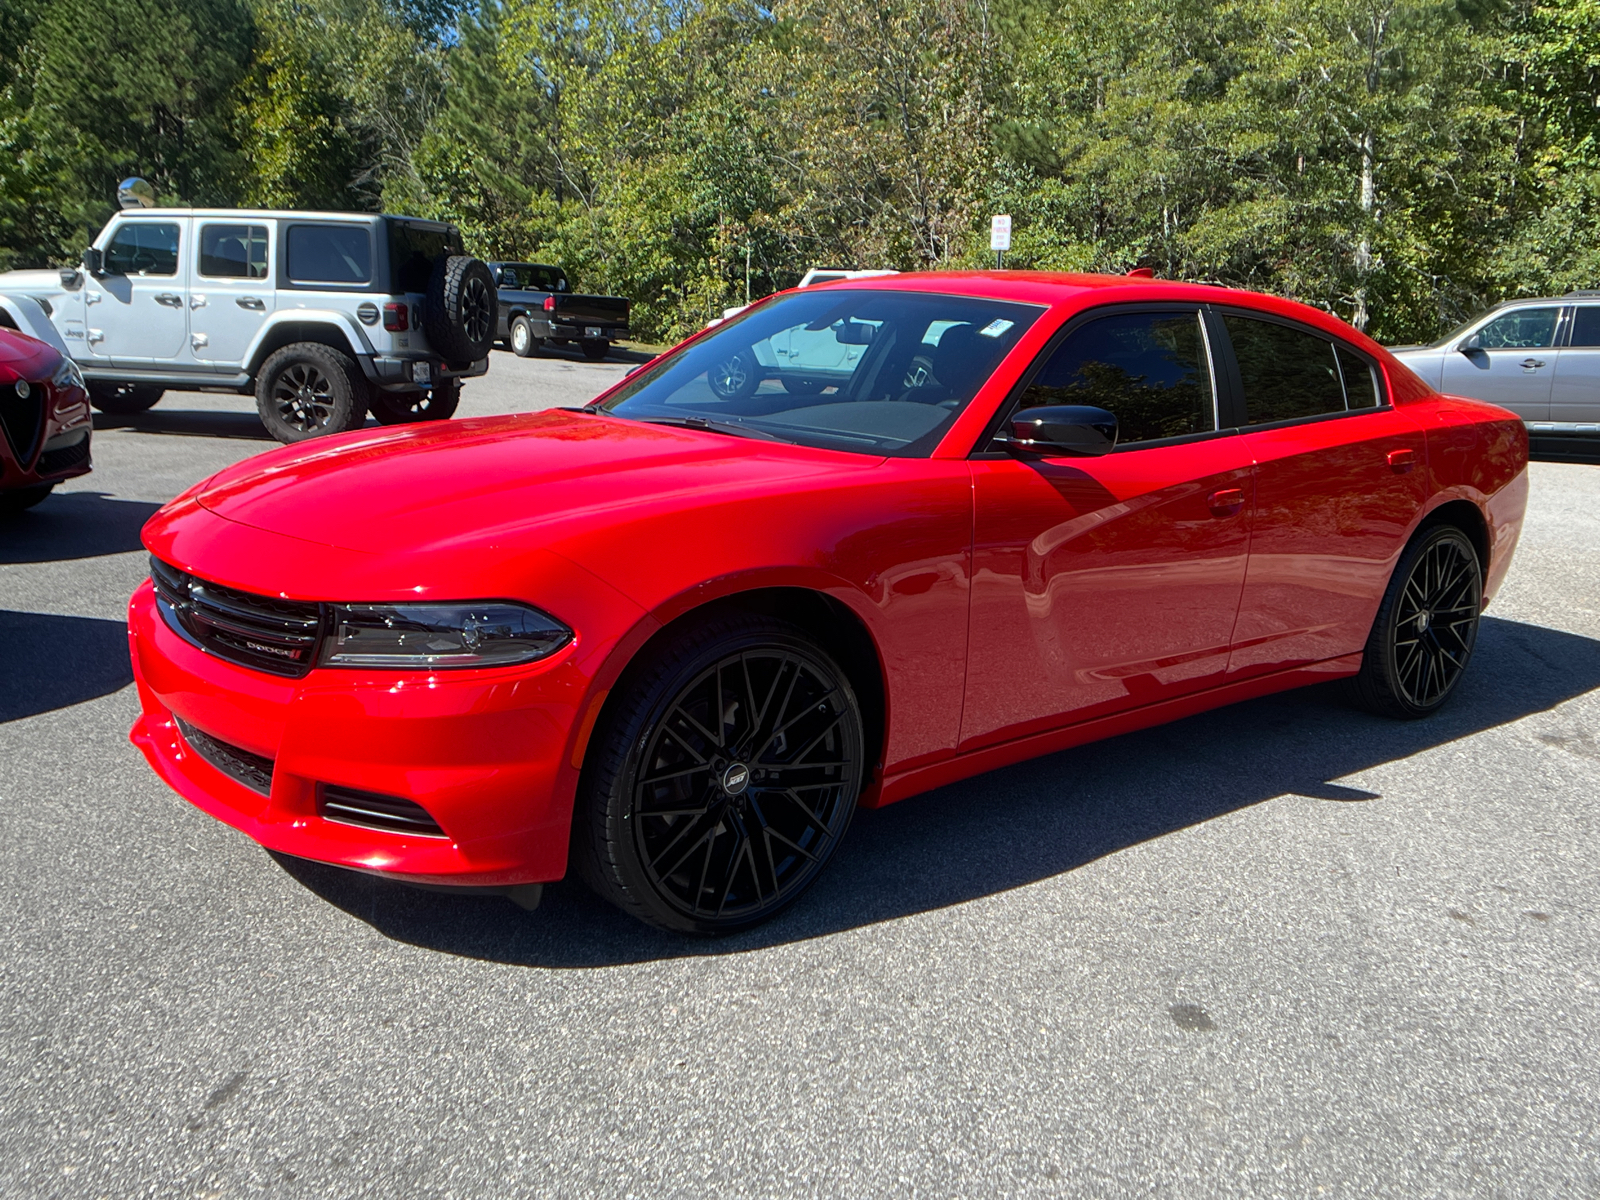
[[1399, 162]]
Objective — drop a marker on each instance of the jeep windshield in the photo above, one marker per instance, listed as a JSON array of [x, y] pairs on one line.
[[879, 372]]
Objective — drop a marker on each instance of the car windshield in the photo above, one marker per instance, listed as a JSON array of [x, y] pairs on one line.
[[879, 372]]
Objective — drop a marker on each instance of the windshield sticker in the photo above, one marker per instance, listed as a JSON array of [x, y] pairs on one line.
[[995, 328]]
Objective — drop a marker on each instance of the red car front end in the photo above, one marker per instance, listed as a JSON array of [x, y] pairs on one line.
[[44, 420]]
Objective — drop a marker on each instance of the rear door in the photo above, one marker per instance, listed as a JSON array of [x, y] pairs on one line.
[[1513, 364], [1101, 584], [1575, 390], [1339, 478], [230, 289]]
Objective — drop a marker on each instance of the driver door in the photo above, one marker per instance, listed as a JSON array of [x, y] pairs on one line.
[[137, 312], [1106, 583], [1513, 364]]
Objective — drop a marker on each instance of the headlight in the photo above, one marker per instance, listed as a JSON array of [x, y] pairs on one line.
[[429, 636], [68, 376]]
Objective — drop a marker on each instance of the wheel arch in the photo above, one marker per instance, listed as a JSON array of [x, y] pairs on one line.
[[1466, 516], [322, 330], [833, 624]]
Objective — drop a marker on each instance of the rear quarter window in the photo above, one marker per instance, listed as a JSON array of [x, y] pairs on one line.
[[413, 250], [339, 254]]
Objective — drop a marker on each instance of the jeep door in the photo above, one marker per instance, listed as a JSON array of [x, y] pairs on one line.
[[230, 289], [136, 313]]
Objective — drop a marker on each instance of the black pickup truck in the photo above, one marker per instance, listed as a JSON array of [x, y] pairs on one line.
[[538, 308]]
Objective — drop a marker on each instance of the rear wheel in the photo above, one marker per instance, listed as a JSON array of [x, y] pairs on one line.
[[124, 399], [722, 778], [308, 389], [401, 408], [1426, 627], [523, 343]]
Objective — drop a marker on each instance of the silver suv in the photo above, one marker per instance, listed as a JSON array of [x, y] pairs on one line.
[[1539, 358], [324, 316]]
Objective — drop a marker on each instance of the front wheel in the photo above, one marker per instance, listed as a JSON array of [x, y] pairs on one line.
[[124, 399], [721, 778], [402, 408], [735, 377], [1426, 627], [22, 499]]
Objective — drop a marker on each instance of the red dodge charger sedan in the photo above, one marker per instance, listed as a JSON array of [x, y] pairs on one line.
[[861, 541]]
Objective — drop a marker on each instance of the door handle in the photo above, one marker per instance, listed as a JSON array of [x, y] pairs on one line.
[[197, 301], [170, 299], [199, 340], [1401, 461], [96, 335], [92, 297], [251, 302], [1532, 364], [1225, 502]]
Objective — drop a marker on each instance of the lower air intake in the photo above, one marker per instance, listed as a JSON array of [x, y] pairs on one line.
[[252, 770], [372, 811]]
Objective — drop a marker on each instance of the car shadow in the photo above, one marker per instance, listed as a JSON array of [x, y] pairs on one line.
[[72, 525], [52, 662], [1019, 825], [188, 423]]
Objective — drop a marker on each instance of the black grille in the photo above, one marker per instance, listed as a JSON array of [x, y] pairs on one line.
[[279, 636], [22, 418], [252, 770], [65, 458], [369, 809]]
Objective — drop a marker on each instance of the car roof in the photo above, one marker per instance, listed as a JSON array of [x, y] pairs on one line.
[[276, 214]]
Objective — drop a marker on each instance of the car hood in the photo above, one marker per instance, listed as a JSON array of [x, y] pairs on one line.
[[21, 355], [500, 483]]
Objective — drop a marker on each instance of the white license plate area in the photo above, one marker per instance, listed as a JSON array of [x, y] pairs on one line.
[[422, 373], [592, 331]]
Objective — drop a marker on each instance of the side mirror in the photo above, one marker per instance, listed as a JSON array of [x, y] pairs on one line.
[[1468, 345], [1064, 429], [94, 261], [71, 278]]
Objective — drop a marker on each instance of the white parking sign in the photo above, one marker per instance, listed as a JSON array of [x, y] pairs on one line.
[[1000, 233]]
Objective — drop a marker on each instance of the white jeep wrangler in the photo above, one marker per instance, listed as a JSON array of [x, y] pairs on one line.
[[324, 316]]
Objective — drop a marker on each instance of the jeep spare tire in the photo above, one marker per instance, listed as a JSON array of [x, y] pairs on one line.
[[461, 309]]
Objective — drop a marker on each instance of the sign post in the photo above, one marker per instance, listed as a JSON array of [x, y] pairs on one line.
[[1000, 239]]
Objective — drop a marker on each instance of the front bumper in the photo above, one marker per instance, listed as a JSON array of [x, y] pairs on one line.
[[485, 753]]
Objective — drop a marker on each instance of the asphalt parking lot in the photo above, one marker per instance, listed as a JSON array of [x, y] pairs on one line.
[[1284, 949]]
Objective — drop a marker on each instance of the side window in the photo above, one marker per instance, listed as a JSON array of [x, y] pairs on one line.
[[1149, 370], [1360, 379], [1586, 325], [1521, 329], [1286, 372], [329, 254], [233, 251], [143, 248]]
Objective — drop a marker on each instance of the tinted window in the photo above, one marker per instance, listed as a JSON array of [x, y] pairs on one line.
[[143, 249], [880, 372], [1148, 369], [233, 251], [1286, 372], [329, 254], [532, 277], [1521, 329], [1586, 325], [1360, 379], [413, 249]]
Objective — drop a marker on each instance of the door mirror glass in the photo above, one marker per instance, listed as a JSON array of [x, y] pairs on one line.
[[1064, 429]]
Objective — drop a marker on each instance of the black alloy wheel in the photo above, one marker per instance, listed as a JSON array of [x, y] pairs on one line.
[[1426, 626], [725, 779], [308, 389], [735, 377], [438, 403]]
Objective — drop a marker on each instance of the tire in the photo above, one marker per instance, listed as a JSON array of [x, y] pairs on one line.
[[523, 343], [733, 851], [461, 309], [125, 399], [736, 377], [307, 390], [19, 501], [595, 349], [404, 408], [1426, 627]]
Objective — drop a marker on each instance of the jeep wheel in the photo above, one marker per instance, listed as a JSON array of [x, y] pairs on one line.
[[523, 343], [595, 349], [124, 399], [402, 408], [308, 389], [461, 309]]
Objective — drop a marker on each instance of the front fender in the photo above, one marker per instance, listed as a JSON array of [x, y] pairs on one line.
[[28, 315]]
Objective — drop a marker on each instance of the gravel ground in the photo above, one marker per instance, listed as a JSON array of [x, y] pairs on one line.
[[1285, 949]]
